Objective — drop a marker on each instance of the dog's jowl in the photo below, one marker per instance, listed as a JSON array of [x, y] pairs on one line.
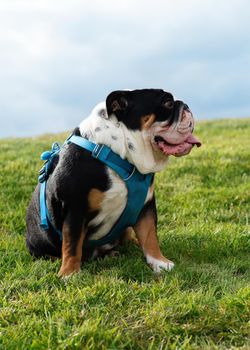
[[97, 190]]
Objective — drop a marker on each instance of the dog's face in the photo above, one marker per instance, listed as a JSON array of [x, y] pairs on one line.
[[168, 123]]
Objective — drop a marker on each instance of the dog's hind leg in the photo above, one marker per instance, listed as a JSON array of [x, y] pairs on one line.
[[129, 236], [73, 233]]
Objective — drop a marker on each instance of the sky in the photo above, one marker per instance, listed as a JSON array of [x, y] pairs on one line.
[[58, 59]]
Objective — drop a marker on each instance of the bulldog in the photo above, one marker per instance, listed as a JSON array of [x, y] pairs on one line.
[[85, 197]]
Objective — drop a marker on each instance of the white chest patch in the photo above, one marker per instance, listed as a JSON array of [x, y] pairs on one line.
[[112, 207]]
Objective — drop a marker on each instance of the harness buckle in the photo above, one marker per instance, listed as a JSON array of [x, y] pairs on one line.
[[97, 150]]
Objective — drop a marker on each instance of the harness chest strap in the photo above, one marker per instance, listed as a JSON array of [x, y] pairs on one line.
[[137, 185]]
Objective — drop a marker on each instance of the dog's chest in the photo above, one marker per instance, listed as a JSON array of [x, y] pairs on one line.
[[111, 208]]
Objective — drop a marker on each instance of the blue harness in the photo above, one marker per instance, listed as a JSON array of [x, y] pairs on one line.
[[137, 186]]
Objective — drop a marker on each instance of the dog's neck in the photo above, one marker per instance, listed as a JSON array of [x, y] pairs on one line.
[[135, 146]]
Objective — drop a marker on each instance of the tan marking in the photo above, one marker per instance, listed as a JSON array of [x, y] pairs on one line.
[[70, 264], [145, 231], [95, 199], [129, 236], [147, 121]]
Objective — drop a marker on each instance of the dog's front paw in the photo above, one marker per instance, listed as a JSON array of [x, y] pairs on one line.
[[66, 273], [69, 267], [159, 264]]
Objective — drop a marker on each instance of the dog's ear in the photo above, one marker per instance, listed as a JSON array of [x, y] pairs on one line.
[[117, 103]]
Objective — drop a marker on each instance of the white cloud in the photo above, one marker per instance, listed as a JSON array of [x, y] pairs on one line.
[[59, 58]]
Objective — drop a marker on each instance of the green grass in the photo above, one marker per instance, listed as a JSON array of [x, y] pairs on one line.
[[118, 303]]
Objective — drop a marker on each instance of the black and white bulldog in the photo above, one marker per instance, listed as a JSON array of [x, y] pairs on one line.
[[85, 198]]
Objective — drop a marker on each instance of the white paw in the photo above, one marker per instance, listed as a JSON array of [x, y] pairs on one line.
[[159, 265]]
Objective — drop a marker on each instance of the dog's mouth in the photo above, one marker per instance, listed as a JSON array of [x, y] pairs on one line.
[[179, 149], [176, 139]]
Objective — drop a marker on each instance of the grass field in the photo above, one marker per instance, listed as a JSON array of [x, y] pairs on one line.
[[118, 303]]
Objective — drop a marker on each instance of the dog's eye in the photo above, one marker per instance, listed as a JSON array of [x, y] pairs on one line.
[[169, 104]]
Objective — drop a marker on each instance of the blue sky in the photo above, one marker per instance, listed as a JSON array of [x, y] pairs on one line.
[[59, 58]]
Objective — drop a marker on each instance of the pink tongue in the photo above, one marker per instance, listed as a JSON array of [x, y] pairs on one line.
[[193, 140], [169, 149]]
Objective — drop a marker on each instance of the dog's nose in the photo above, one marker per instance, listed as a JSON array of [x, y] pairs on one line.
[[185, 107]]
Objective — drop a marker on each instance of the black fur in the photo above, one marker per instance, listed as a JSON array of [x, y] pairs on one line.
[[74, 175], [75, 172], [130, 106]]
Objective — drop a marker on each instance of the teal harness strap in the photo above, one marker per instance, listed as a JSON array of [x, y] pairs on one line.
[[105, 155], [44, 213], [43, 207], [137, 185], [48, 156]]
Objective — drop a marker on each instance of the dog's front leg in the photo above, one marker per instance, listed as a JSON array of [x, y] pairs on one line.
[[73, 235], [145, 230]]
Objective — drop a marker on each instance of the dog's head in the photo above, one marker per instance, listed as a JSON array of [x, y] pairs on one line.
[[168, 123]]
